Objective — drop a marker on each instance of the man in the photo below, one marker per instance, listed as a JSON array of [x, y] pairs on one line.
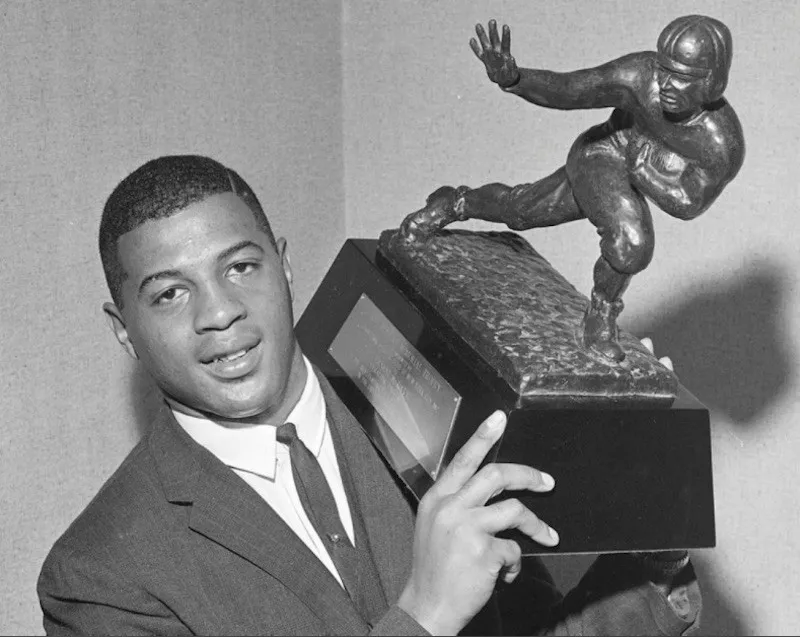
[[255, 504], [672, 138]]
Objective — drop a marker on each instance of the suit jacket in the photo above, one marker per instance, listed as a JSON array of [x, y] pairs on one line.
[[176, 543]]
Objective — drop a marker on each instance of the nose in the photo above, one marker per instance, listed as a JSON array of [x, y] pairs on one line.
[[665, 80], [218, 309]]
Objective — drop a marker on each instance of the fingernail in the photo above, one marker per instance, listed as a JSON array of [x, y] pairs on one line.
[[552, 532], [495, 420], [548, 480]]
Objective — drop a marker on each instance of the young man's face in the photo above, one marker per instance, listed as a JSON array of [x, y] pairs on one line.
[[208, 311]]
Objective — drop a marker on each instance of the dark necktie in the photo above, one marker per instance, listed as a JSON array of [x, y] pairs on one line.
[[320, 507]]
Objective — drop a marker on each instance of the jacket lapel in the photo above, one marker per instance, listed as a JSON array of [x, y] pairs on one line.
[[228, 512]]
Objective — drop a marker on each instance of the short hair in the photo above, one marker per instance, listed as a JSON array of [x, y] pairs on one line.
[[158, 189]]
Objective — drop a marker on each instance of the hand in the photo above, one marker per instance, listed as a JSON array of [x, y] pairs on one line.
[[638, 154], [666, 361], [457, 558], [501, 67]]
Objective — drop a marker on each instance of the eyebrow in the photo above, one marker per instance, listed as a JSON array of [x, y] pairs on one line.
[[227, 252], [222, 256]]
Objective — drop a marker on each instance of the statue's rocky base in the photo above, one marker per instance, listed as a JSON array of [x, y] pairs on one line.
[[632, 461], [522, 319]]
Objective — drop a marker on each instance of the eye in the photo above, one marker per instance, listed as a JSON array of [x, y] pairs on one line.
[[170, 295], [243, 268]]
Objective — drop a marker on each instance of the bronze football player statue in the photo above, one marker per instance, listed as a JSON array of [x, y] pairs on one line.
[[672, 138]]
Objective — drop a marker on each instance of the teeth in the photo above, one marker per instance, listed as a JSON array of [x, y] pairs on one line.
[[232, 357]]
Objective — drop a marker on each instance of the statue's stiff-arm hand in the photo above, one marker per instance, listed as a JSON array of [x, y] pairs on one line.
[[501, 67]]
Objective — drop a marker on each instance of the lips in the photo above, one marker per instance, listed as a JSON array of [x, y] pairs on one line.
[[233, 361], [668, 100]]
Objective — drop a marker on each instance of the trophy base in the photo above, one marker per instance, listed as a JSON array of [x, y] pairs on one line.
[[629, 476], [522, 318]]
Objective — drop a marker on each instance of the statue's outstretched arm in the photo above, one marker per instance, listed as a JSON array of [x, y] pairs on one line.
[[608, 85]]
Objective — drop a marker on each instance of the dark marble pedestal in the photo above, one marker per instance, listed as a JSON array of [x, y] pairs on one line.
[[630, 476]]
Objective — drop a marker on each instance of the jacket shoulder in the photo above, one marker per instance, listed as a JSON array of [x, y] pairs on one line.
[[124, 499]]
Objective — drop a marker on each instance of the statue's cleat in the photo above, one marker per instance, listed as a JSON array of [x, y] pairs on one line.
[[441, 199], [600, 332], [437, 213]]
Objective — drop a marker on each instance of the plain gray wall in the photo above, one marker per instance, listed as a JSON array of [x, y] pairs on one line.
[[343, 117], [90, 90], [721, 295]]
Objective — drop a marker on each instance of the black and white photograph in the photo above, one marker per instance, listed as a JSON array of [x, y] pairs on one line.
[[351, 317]]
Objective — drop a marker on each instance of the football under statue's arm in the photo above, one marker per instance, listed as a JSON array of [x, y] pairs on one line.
[[684, 194]]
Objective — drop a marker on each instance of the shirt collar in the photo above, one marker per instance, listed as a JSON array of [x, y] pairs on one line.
[[255, 449]]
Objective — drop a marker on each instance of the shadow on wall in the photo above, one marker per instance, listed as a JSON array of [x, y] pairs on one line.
[[728, 344], [719, 617]]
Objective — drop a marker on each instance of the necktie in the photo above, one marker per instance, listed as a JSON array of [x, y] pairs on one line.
[[320, 507]]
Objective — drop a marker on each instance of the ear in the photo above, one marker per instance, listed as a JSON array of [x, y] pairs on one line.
[[283, 253], [117, 325]]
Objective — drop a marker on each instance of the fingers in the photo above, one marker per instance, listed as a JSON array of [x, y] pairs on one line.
[[512, 514], [495, 478], [492, 41], [509, 557], [469, 458], [505, 46], [476, 48], [493, 37], [482, 36], [666, 361]]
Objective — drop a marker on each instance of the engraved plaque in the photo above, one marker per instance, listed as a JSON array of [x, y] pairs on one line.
[[410, 397]]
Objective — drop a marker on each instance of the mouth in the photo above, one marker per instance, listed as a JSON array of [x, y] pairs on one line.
[[668, 102], [235, 364]]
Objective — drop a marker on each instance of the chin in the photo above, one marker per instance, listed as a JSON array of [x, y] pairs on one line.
[[244, 408], [267, 400], [236, 412]]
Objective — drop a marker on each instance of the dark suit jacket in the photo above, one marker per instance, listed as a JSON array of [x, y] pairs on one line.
[[176, 543]]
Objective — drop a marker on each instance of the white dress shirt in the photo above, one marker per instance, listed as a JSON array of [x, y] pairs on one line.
[[255, 455]]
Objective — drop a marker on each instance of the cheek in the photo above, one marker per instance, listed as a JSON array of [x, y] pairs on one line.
[[692, 92], [166, 349], [279, 330]]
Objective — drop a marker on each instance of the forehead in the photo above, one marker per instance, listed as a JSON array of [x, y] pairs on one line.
[[189, 237]]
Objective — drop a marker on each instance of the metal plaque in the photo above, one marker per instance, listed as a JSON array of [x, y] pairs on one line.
[[409, 396]]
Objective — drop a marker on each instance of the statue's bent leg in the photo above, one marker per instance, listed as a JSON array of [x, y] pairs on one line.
[[623, 221], [546, 202]]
